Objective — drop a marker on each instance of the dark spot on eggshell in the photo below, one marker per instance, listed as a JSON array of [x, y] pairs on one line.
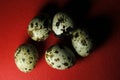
[[18, 51], [28, 50], [57, 59], [69, 59], [56, 52], [24, 53], [65, 64], [46, 55], [79, 50], [52, 63], [57, 24], [84, 42], [23, 59], [48, 60], [38, 39], [51, 56], [76, 35], [59, 66], [87, 51], [30, 62], [63, 26], [28, 53], [31, 58], [29, 69], [61, 19], [63, 56], [25, 68], [36, 24], [40, 26], [50, 53], [87, 38], [31, 25]]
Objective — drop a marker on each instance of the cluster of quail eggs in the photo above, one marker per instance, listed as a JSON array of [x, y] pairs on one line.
[[58, 56]]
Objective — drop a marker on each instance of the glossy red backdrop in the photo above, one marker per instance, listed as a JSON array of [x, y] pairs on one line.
[[102, 64]]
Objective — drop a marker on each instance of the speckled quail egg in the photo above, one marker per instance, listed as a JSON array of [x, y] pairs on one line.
[[62, 24], [39, 28], [26, 57], [59, 57], [81, 42]]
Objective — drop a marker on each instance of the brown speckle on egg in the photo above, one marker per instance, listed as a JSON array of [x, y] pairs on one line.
[[63, 56], [57, 24], [56, 52], [76, 35], [63, 26], [31, 58], [65, 64], [52, 63], [30, 62], [59, 66], [23, 59], [48, 60], [25, 68], [31, 25], [36, 24], [25, 53], [28, 50], [83, 42], [57, 59], [46, 55], [18, 51], [51, 56], [69, 58]]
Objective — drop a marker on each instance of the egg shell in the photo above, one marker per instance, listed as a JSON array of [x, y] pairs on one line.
[[26, 57], [59, 57], [62, 24], [39, 28], [81, 42]]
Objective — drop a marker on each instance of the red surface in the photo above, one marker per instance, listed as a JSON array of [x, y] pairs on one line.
[[102, 64]]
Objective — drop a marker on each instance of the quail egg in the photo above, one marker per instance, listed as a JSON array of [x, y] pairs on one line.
[[59, 57], [39, 28], [62, 25], [26, 57], [81, 42]]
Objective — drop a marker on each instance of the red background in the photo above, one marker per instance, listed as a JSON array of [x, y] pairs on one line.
[[102, 64]]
